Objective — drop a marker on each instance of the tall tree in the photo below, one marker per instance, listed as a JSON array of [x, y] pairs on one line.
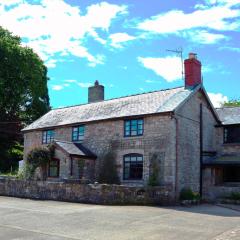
[[232, 103], [23, 93]]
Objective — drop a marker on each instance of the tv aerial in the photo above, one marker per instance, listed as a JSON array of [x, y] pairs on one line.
[[179, 53]]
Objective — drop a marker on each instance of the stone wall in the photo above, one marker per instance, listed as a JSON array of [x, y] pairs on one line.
[[100, 137], [226, 148], [213, 190], [189, 140], [86, 193]]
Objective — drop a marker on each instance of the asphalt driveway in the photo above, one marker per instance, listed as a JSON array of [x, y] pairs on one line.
[[27, 219]]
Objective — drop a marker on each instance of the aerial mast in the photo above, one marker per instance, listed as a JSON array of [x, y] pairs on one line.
[[179, 53]]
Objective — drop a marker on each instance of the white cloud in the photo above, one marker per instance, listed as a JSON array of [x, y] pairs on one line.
[[70, 81], [217, 99], [213, 18], [205, 37], [118, 39], [56, 28], [84, 85], [51, 63], [57, 87], [218, 16], [169, 67]]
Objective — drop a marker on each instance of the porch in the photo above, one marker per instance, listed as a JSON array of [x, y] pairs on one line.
[[71, 161]]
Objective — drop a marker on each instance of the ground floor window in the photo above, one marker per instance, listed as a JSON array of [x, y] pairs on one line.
[[53, 168], [133, 167], [231, 174]]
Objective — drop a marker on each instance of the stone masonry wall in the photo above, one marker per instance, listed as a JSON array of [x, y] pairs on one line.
[[226, 148], [86, 193], [158, 139], [189, 140]]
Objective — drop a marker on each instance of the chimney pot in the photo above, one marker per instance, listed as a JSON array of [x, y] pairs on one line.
[[192, 56]]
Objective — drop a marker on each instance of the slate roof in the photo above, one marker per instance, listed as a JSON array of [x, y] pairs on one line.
[[75, 149], [141, 104], [229, 115]]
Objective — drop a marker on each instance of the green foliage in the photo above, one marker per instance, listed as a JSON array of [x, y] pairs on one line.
[[188, 194], [26, 172], [235, 196], [153, 179], [23, 95], [232, 103], [108, 169], [38, 157]]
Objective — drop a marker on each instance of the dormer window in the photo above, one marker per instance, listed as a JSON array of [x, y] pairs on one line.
[[48, 136], [232, 134], [78, 133], [133, 127]]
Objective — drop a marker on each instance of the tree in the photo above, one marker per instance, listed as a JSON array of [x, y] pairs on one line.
[[23, 93], [108, 169], [232, 103]]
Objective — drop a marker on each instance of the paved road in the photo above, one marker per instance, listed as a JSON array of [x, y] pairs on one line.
[[40, 220]]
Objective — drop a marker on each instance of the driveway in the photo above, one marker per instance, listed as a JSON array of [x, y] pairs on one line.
[[34, 220]]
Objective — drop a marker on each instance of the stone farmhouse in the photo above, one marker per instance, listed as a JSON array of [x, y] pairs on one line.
[[195, 145]]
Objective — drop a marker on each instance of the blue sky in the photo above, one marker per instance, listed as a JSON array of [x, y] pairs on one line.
[[123, 43]]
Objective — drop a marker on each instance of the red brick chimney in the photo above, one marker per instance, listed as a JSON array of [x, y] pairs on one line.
[[192, 66]]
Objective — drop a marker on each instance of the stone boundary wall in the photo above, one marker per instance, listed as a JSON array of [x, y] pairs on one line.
[[217, 192], [86, 193]]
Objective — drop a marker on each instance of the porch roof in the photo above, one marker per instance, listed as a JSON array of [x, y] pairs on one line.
[[224, 160], [75, 149]]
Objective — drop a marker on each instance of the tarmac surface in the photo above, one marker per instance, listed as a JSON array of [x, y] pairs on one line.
[[23, 219]]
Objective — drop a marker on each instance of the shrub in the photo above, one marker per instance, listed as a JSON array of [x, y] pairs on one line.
[[38, 157], [108, 169], [235, 196], [188, 194], [153, 178]]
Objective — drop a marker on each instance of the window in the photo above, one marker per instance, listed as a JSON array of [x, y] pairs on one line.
[[78, 133], [133, 167], [231, 174], [133, 127], [48, 136], [53, 169], [232, 134]]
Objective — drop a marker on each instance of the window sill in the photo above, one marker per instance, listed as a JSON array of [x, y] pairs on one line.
[[133, 181], [133, 137]]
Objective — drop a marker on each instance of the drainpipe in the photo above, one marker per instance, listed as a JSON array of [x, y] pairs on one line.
[[71, 166], [176, 152], [201, 150]]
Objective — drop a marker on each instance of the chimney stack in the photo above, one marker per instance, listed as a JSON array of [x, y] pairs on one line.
[[192, 67], [96, 93]]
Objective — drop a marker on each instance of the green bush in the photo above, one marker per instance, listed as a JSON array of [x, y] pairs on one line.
[[38, 157], [235, 196], [188, 194], [108, 169], [153, 178]]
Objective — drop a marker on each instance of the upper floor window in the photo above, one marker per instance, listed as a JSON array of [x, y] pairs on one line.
[[78, 133], [47, 136], [232, 134], [133, 167], [133, 127]]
